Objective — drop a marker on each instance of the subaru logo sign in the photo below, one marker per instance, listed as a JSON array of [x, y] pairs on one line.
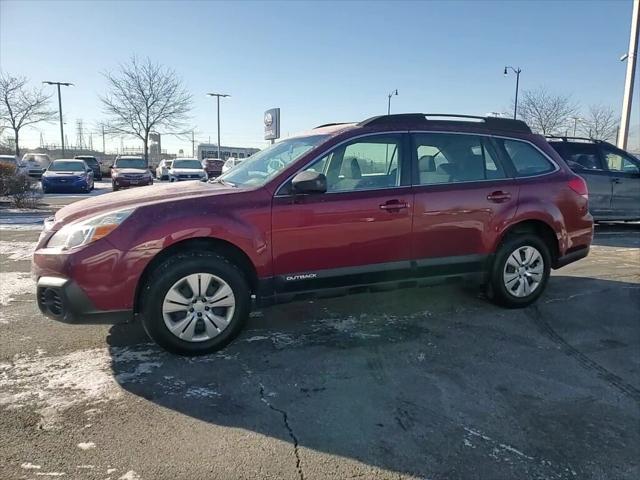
[[272, 124]]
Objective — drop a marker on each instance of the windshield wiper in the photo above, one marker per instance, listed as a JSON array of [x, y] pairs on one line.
[[223, 182]]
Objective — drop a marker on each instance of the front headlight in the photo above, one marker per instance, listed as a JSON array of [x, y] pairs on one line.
[[87, 231]]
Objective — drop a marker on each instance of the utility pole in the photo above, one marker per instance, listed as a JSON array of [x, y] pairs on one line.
[[631, 57], [193, 144], [575, 124], [103, 150], [66, 84], [218, 95]]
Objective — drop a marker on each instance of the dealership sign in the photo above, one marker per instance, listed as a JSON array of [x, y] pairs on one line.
[[272, 124]]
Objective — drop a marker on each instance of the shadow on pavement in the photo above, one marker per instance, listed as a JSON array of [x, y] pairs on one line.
[[618, 234], [430, 382]]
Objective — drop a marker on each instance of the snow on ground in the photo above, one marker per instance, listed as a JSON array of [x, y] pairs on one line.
[[13, 284], [33, 227], [17, 250], [54, 384]]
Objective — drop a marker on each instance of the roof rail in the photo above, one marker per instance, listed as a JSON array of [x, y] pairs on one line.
[[497, 123], [331, 124], [566, 138]]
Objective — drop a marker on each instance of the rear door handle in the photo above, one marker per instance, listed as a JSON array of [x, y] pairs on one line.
[[499, 196], [394, 205]]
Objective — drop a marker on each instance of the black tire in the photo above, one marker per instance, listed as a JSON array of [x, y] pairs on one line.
[[172, 270], [498, 291]]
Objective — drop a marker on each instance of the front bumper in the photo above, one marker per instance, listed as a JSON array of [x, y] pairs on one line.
[[63, 300], [76, 184], [129, 182]]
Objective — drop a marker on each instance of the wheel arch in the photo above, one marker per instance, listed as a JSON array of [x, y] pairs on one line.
[[537, 227], [223, 247]]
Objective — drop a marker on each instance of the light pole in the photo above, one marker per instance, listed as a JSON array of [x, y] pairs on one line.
[[517, 71], [631, 57], [575, 124], [218, 95], [66, 84], [395, 92]]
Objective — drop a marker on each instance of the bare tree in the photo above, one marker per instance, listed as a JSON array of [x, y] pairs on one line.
[[21, 106], [544, 112], [600, 123], [142, 97]]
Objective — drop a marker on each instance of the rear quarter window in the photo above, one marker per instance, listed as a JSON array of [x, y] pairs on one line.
[[526, 159]]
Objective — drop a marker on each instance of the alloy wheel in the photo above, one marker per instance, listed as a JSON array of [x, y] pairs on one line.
[[198, 307], [523, 271]]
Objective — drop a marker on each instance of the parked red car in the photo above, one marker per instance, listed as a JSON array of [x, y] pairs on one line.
[[129, 171], [393, 201], [213, 167]]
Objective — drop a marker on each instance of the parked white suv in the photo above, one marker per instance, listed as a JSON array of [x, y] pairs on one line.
[[36, 163], [186, 169]]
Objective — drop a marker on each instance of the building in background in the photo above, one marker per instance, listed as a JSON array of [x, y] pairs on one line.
[[210, 150]]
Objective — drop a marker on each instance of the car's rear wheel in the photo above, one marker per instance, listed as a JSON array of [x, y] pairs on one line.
[[196, 303], [520, 271]]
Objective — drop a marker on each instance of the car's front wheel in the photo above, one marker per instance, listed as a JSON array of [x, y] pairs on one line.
[[195, 303], [520, 271]]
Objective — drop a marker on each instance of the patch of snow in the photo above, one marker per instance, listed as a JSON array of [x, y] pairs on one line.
[[498, 446], [54, 384], [21, 227], [13, 284], [22, 220], [17, 250], [200, 392], [130, 475], [85, 467], [110, 470], [50, 474], [86, 445], [30, 466], [256, 338]]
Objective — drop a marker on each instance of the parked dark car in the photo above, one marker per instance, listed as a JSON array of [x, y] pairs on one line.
[[93, 163], [213, 167], [67, 175], [130, 171], [612, 175], [392, 201]]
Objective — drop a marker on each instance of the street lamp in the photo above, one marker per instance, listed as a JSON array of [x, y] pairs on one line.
[[218, 95], [517, 72], [66, 84], [395, 92], [575, 124]]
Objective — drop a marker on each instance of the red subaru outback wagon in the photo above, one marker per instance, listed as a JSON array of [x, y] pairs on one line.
[[395, 200]]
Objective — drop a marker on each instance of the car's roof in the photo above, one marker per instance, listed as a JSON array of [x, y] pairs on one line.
[[79, 160], [130, 157], [85, 157], [186, 158]]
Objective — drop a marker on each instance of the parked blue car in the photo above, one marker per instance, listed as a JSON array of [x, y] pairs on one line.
[[67, 175]]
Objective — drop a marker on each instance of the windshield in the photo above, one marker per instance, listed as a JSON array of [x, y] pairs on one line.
[[67, 166], [91, 161], [131, 163], [187, 164], [262, 166]]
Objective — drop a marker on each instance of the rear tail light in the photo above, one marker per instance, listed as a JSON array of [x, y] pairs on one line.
[[578, 185]]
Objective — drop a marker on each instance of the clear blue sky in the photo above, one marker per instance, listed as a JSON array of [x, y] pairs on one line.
[[319, 61]]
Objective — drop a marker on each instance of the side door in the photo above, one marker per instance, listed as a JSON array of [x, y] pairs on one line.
[[585, 160], [462, 193], [625, 178], [355, 233]]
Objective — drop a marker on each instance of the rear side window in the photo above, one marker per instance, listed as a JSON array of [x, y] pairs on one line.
[[454, 158], [527, 159]]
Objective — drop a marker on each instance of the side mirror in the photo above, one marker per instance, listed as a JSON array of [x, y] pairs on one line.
[[89, 170], [309, 182]]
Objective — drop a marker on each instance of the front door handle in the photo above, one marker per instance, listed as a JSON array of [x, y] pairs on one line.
[[499, 196], [392, 205]]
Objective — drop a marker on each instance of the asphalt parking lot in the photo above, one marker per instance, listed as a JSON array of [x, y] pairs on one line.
[[431, 383]]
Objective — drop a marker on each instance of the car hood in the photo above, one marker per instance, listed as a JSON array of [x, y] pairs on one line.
[[137, 197], [62, 173], [130, 170], [177, 171]]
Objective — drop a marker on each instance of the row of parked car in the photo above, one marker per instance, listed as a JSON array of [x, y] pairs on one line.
[[80, 173]]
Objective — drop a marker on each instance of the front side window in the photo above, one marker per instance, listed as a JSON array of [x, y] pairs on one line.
[[618, 162], [370, 163], [527, 159], [266, 164], [454, 158]]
